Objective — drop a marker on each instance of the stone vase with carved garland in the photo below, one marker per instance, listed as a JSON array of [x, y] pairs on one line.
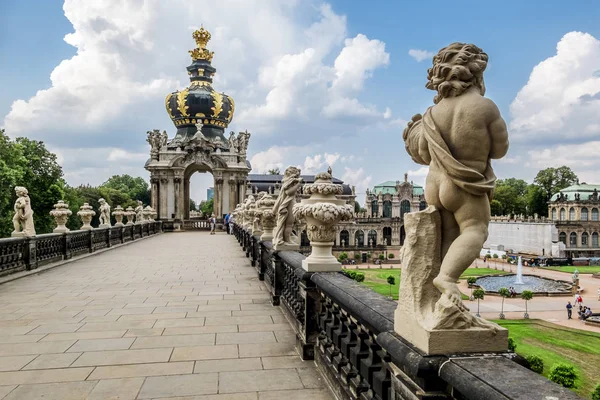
[[61, 214], [130, 214], [267, 217], [118, 213], [322, 211], [86, 212]]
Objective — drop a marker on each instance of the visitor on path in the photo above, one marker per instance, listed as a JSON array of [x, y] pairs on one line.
[[581, 311], [231, 222], [598, 294], [569, 310], [578, 299], [213, 224], [227, 223], [588, 313]]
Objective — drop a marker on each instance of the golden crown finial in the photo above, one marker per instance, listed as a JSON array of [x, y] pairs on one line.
[[202, 37]]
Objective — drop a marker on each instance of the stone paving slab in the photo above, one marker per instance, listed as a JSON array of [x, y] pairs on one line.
[[177, 316]]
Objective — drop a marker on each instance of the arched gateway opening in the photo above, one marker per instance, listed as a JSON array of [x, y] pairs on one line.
[[200, 115]]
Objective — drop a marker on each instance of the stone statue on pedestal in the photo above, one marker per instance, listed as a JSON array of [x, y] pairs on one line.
[[139, 212], [23, 218], [457, 138], [283, 209], [104, 214]]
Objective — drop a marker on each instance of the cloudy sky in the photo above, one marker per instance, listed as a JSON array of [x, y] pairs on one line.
[[316, 83]]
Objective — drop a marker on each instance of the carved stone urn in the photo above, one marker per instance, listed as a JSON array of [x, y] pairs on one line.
[[266, 216], [148, 212], [61, 214], [118, 213], [86, 212], [322, 211], [130, 215], [249, 208]]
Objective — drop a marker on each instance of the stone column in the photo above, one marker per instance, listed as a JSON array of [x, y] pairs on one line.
[[154, 196], [163, 192], [233, 200], [218, 202], [380, 208], [186, 198], [177, 186]]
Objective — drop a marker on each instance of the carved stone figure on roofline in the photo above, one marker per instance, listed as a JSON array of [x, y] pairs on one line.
[[283, 239], [23, 218], [139, 213], [457, 138]]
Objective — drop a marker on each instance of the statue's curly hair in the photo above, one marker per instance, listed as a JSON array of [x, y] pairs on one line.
[[21, 189], [456, 68], [291, 171]]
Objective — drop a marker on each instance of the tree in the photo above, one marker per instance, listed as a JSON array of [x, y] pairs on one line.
[[536, 364], [504, 292], [552, 180], [391, 280], [496, 207], [12, 170], [207, 207], [193, 206], [274, 171], [471, 281], [526, 295], [478, 294], [343, 256], [43, 179], [356, 206], [136, 188], [536, 201], [510, 193]]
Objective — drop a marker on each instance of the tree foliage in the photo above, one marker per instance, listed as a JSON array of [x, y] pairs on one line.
[[536, 364], [551, 180], [274, 171], [206, 207]]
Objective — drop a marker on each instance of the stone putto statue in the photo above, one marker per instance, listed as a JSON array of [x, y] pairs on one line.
[[139, 212], [457, 138], [104, 214], [157, 141], [283, 209], [23, 218]]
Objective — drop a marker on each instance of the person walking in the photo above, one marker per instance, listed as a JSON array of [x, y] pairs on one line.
[[227, 223], [569, 310], [213, 224]]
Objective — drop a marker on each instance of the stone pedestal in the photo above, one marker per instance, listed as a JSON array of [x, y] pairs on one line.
[[433, 323], [321, 259], [288, 247]]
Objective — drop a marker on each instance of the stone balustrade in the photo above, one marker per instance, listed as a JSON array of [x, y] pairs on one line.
[[348, 330], [29, 253]]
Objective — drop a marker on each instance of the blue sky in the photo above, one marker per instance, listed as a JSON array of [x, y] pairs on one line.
[[94, 138]]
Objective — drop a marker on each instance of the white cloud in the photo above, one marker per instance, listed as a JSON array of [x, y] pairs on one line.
[[562, 97], [288, 77], [273, 157], [357, 177], [582, 158], [420, 55], [418, 176], [357, 61], [319, 162]]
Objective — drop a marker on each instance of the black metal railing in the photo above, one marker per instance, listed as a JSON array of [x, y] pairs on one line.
[[348, 330], [18, 254]]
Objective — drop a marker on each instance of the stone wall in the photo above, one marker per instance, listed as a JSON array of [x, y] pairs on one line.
[[523, 237]]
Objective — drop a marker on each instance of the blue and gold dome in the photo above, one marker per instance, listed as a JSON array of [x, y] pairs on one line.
[[199, 103]]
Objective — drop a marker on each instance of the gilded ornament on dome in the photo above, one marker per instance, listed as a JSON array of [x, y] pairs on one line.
[[201, 115], [218, 99], [231, 108], [201, 36], [168, 106], [181, 100]]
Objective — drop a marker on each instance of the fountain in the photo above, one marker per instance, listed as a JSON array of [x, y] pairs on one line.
[[519, 278]]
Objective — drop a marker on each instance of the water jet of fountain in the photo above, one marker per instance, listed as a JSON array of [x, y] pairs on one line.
[[519, 277]]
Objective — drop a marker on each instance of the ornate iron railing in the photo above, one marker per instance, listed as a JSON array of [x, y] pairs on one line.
[[13, 255], [49, 248], [348, 330], [18, 254]]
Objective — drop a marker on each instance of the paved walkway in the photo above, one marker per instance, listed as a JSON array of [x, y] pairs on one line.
[[176, 316]]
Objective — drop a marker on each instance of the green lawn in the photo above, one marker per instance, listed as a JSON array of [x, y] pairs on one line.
[[376, 279], [592, 269], [557, 344]]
